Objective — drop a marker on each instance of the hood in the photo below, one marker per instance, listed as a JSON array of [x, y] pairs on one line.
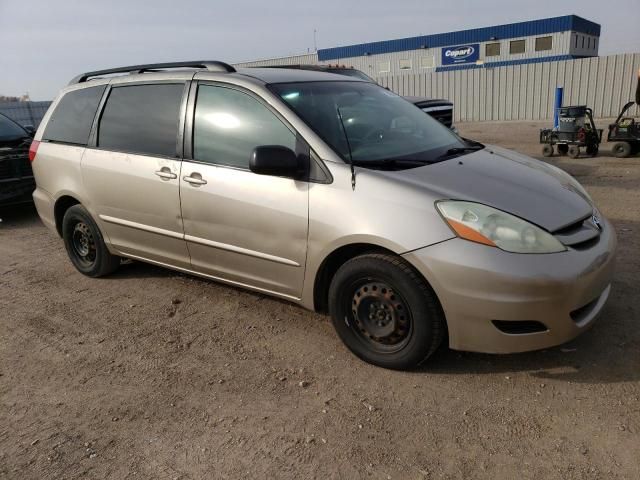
[[506, 180]]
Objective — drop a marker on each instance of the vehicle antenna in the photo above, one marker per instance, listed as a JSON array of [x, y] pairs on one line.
[[344, 130], [638, 89]]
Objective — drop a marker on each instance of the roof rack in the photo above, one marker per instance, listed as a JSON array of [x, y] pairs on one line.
[[210, 65]]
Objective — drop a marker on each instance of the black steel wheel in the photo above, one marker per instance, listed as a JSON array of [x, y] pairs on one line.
[[381, 316], [384, 312], [621, 149], [85, 245], [547, 150], [563, 148], [574, 151]]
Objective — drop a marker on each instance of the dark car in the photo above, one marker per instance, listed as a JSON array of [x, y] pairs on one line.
[[438, 108], [16, 178]]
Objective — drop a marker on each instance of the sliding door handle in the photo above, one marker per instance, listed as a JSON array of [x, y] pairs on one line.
[[195, 179], [166, 174]]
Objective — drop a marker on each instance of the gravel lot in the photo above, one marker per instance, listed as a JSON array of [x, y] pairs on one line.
[[155, 374]]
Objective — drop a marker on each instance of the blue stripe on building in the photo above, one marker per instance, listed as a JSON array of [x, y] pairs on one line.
[[476, 35], [504, 63]]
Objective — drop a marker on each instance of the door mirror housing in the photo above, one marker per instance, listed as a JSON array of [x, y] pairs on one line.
[[277, 161]]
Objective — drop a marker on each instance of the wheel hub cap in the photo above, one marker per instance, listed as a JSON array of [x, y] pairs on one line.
[[380, 314], [83, 242]]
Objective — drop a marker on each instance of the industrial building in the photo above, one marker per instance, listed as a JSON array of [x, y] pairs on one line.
[[550, 39]]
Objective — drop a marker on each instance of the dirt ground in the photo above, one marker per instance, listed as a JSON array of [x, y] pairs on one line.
[[154, 374]]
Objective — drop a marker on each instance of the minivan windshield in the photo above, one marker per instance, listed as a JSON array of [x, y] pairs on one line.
[[369, 125]]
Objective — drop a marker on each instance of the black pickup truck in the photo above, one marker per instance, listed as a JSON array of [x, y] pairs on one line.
[[440, 109], [16, 177]]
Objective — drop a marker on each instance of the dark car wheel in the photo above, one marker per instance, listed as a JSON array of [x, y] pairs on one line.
[[547, 150], [574, 151], [384, 311], [621, 149], [563, 148], [85, 245]]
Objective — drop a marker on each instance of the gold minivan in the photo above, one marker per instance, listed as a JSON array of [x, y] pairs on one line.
[[327, 191]]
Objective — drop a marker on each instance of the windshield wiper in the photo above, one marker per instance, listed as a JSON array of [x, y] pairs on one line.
[[457, 150]]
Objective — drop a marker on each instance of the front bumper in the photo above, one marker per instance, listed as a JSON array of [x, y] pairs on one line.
[[477, 284], [16, 190]]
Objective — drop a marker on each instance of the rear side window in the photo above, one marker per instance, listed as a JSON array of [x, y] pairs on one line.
[[142, 119], [71, 120], [229, 124]]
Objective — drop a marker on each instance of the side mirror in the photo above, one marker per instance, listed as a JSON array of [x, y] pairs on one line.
[[30, 130], [276, 161]]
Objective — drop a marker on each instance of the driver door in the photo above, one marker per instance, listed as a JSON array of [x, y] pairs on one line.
[[241, 227]]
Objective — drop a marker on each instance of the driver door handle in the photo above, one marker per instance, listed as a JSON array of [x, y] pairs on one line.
[[195, 179]]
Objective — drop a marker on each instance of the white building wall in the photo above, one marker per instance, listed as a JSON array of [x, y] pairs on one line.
[[527, 91], [304, 59]]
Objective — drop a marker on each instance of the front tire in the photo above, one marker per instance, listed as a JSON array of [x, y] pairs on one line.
[[384, 312], [574, 151], [547, 150], [85, 245]]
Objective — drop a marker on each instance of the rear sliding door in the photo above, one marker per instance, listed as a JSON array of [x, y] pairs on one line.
[[132, 171]]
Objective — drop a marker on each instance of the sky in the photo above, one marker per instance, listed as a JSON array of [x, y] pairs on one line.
[[44, 43]]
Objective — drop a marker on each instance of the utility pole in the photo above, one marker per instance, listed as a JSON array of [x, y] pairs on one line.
[[315, 42]]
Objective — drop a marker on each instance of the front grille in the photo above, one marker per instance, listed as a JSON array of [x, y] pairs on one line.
[[15, 164], [579, 235], [6, 170], [519, 327]]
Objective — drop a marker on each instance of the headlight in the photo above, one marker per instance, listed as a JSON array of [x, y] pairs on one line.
[[489, 226]]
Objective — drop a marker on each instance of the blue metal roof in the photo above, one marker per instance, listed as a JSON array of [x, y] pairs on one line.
[[476, 35]]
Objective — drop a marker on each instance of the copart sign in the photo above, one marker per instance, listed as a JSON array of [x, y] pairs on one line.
[[461, 54]]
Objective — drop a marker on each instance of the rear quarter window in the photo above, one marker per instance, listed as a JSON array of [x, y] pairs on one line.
[[71, 120]]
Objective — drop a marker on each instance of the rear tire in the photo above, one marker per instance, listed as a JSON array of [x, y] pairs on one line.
[[85, 245], [547, 150], [384, 312], [574, 151], [621, 149]]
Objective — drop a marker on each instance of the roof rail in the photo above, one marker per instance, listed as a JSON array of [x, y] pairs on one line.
[[210, 65]]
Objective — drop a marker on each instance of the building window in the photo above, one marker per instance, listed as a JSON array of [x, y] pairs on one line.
[[427, 62], [544, 43], [384, 67], [595, 43], [492, 49], [583, 42], [405, 64], [516, 46], [576, 42]]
